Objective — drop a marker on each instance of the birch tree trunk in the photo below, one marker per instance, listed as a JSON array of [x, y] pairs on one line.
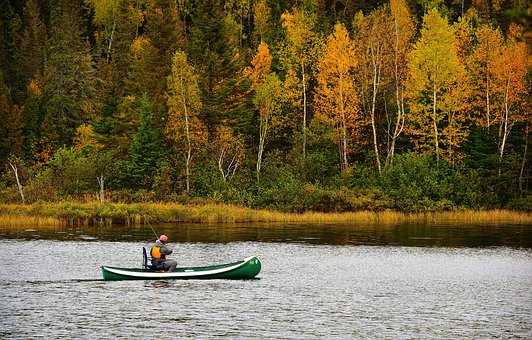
[[434, 123], [376, 76], [101, 181], [344, 129], [220, 163], [19, 185], [523, 163], [304, 109], [187, 134], [504, 128], [262, 138], [488, 101], [111, 40], [399, 120], [504, 125]]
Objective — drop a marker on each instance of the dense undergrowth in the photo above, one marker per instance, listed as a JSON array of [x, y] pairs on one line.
[[415, 183]]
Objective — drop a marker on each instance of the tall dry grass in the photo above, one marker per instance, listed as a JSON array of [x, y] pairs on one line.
[[75, 213]]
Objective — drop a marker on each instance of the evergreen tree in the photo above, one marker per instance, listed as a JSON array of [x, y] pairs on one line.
[[69, 90], [146, 148], [5, 109], [32, 42]]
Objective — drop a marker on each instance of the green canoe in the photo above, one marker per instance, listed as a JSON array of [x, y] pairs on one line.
[[244, 269]]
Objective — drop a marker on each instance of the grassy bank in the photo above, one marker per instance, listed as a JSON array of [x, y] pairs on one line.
[[74, 213]]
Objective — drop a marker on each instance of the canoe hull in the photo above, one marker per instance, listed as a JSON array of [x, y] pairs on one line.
[[245, 269]]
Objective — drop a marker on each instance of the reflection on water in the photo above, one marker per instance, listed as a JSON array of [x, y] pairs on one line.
[[518, 236]]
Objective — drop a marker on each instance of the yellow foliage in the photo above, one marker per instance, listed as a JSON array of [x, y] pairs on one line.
[[84, 137], [437, 89], [184, 127], [298, 27], [336, 98], [140, 45], [262, 14]]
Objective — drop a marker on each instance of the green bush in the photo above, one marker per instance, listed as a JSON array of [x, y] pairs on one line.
[[521, 203], [419, 182]]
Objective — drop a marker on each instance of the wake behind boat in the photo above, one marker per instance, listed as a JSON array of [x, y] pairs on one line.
[[244, 269]]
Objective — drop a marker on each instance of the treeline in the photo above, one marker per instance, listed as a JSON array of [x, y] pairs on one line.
[[292, 105]]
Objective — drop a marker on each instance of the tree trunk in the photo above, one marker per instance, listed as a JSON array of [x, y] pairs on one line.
[[262, 138], [101, 181], [343, 142], [399, 121], [187, 134], [373, 101], [220, 163], [189, 152], [504, 126], [523, 163], [231, 168], [111, 40], [304, 109], [19, 185], [434, 124], [488, 101]]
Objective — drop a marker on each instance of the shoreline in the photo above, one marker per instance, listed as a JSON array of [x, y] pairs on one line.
[[95, 213]]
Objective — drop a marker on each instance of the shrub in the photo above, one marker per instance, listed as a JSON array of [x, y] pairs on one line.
[[418, 182]]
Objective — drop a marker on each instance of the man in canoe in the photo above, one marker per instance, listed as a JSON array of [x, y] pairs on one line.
[[158, 254]]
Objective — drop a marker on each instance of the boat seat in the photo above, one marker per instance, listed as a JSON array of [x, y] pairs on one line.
[[145, 263]]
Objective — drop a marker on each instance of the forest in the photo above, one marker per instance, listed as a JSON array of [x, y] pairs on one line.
[[291, 105]]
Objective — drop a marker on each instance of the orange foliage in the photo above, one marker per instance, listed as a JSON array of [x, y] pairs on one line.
[[260, 66]]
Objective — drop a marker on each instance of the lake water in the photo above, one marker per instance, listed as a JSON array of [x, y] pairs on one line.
[[402, 282]]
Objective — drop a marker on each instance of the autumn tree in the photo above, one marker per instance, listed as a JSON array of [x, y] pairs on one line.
[[373, 51], [268, 90], [184, 105], [336, 99], [262, 15], [267, 100], [106, 15], [435, 88], [403, 32], [260, 66], [480, 65], [298, 26], [229, 151], [510, 70]]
